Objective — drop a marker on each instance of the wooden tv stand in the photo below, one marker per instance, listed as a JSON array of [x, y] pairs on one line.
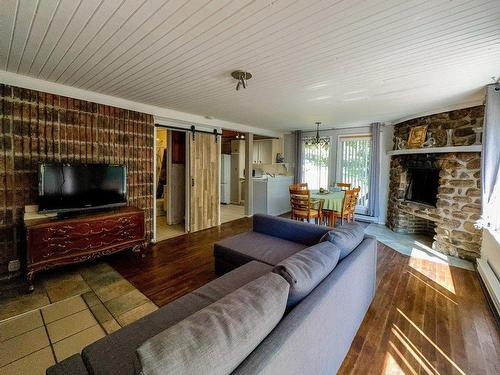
[[57, 242]]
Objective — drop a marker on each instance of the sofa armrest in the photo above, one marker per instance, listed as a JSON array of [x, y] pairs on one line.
[[291, 230], [72, 365]]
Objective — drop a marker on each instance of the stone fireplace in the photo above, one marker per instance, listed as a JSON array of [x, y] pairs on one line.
[[451, 220]]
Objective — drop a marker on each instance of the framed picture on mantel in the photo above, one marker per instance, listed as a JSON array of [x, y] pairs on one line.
[[417, 136]]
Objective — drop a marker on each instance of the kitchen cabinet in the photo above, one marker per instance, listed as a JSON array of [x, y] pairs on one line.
[[263, 152]]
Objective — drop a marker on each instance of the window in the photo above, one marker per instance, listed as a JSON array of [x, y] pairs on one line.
[[353, 166], [315, 165]]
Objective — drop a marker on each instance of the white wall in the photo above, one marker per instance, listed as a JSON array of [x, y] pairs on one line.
[[386, 136]]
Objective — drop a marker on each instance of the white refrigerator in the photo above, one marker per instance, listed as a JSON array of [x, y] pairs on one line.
[[225, 179]]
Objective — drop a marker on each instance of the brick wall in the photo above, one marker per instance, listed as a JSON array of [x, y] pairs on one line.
[[38, 127], [458, 204]]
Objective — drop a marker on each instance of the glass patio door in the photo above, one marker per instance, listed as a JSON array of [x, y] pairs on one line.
[[353, 166]]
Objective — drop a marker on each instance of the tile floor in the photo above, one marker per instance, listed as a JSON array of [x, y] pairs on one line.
[[165, 231], [230, 212], [414, 245], [68, 310]]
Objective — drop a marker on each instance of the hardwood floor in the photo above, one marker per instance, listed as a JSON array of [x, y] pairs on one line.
[[178, 265], [426, 318]]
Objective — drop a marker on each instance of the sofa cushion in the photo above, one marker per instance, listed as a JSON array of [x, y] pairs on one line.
[[115, 354], [307, 268], [346, 237], [249, 246], [218, 338], [292, 230]]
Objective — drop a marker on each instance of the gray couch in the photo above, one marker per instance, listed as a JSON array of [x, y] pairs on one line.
[[313, 337]]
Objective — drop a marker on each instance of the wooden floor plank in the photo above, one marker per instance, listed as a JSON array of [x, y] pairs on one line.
[[426, 318]]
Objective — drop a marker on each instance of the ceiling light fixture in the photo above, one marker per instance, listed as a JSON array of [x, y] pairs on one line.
[[497, 83], [242, 78], [317, 140]]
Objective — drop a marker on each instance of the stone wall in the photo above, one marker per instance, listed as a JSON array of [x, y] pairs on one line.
[[461, 120], [39, 127], [458, 204]]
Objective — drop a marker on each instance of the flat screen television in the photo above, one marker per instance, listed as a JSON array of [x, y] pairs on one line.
[[80, 187]]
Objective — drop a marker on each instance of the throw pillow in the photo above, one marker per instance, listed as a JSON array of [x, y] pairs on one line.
[[306, 269], [346, 237], [216, 339]]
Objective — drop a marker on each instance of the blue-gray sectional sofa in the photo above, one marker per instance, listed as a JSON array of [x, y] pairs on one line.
[[290, 300]]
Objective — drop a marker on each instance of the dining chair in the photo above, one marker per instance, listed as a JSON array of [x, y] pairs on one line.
[[303, 207], [354, 202], [345, 211], [299, 186], [344, 185]]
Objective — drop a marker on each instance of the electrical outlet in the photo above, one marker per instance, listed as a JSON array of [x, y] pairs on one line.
[[14, 265]]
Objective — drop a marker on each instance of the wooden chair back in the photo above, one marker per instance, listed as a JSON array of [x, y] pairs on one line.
[[303, 207], [344, 185], [300, 199], [355, 197], [346, 205], [299, 186]]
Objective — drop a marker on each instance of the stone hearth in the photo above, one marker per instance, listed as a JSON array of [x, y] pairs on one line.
[[452, 221]]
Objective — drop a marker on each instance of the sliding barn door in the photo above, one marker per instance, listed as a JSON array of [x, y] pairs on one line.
[[204, 160]]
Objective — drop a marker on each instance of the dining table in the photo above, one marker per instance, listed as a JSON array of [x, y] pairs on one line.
[[332, 200]]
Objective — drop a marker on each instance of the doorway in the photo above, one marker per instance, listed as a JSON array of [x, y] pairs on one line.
[[232, 176], [170, 183]]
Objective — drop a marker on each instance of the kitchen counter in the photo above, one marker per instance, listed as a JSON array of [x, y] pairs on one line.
[[271, 194]]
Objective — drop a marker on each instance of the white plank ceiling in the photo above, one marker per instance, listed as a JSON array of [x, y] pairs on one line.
[[341, 62]]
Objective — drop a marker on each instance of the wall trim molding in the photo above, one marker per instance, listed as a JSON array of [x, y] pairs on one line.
[[490, 281], [31, 83]]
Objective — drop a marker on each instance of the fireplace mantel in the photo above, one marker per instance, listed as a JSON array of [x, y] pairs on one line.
[[436, 150]]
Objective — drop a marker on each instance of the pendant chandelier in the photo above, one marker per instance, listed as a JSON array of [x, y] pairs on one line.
[[317, 140]]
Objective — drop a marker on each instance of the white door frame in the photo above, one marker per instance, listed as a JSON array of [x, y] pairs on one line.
[[154, 183], [169, 161]]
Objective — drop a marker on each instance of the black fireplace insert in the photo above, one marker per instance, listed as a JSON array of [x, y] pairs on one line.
[[423, 185]]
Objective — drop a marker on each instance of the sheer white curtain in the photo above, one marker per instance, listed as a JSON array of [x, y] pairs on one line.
[[315, 165], [491, 160]]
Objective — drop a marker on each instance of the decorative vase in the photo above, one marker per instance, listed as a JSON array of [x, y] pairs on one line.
[[440, 136], [400, 143], [449, 137], [431, 142], [478, 132]]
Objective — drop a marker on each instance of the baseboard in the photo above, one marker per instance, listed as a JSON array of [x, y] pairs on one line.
[[491, 286], [366, 218]]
